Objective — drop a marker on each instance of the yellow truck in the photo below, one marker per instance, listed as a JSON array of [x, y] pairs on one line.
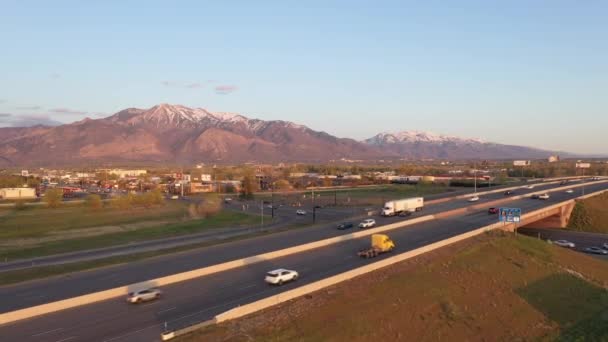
[[381, 243]]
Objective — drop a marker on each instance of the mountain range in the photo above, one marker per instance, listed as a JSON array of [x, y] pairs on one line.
[[173, 133]]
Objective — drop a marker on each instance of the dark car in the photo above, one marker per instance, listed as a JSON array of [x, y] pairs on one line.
[[535, 196], [493, 210], [345, 225], [405, 213], [508, 192]]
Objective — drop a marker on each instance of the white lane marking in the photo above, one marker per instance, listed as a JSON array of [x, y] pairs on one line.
[[67, 339], [129, 333], [247, 287], [47, 332], [169, 309]]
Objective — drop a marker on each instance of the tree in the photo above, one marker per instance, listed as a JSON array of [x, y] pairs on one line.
[[211, 205], [249, 184], [282, 184], [93, 202], [53, 197]]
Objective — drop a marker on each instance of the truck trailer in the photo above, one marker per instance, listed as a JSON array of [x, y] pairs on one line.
[[392, 208]]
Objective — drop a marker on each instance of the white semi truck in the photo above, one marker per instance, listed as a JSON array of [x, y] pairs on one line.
[[392, 208]]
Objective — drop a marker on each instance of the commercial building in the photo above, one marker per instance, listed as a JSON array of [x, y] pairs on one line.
[[17, 193]]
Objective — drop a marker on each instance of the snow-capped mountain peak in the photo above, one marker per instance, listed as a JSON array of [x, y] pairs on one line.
[[416, 137]]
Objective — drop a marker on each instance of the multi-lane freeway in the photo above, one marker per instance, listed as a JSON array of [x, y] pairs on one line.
[[202, 298], [284, 217]]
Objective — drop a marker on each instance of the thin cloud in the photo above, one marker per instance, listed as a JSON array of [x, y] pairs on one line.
[[2, 101], [29, 108], [100, 115], [5, 115], [67, 111], [194, 85], [225, 89], [28, 120], [188, 85], [55, 76]]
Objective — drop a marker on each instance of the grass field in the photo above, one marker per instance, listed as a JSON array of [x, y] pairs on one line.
[[497, 287], [360, 196], [591, 215], [41, 231]]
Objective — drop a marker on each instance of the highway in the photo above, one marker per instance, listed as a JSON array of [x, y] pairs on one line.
[[285, 216], [202, 298], [62, 287], [582, 240]]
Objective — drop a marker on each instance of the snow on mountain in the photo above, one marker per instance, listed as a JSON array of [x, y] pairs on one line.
[[417, 137]]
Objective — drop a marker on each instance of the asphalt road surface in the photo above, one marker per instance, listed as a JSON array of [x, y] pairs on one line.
[[285, 216], [199, 299], [581, 240]]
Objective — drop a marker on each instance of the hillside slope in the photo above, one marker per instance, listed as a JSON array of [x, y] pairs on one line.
[[491, 288]]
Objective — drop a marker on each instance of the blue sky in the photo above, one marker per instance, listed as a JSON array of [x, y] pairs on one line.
[[519, 72]]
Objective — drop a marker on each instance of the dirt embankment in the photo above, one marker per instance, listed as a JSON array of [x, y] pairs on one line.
[[497, 287], [591, 215]]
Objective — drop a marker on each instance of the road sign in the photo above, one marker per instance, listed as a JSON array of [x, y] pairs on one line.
[[509, 215]]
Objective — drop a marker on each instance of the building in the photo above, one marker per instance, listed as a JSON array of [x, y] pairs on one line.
[[17, 193], [553, 159], [201, 177], [127, 173]]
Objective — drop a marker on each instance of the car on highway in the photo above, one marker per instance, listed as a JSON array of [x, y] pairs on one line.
[[535, 196], [569, 191], [493, 210], [174, 197], [367, 223], [564, 243], [345, 225], [605, 245], [227, 200], [300, 212], [529, 187], [473, 199], [596, 250], [143, 295], [544, 196], [508, 193], [280, 276]]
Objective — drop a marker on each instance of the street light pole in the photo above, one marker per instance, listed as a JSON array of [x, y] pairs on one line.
[[262, 215], [475, 175]]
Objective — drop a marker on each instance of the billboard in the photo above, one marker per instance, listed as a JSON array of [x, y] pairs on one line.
[[521, 163], [583, 165], [509, 215]]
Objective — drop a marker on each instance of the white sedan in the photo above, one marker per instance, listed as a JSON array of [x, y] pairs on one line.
[[564, 243], [544, 197], [143, 296], [281, 276], [569, 191], [300, 212], [474, 199], [368, 223]]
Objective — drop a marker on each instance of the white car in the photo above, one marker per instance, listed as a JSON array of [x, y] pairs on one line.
[[143, 295], [300, 212], [474, 199], [596, 250], [605, 245], [529, 187], [368, 223], [280, 276], [569, 191], [564, 243], [543, 197]]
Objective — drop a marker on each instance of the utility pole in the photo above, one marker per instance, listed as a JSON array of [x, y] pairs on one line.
[[475, 175], [262, 214]]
